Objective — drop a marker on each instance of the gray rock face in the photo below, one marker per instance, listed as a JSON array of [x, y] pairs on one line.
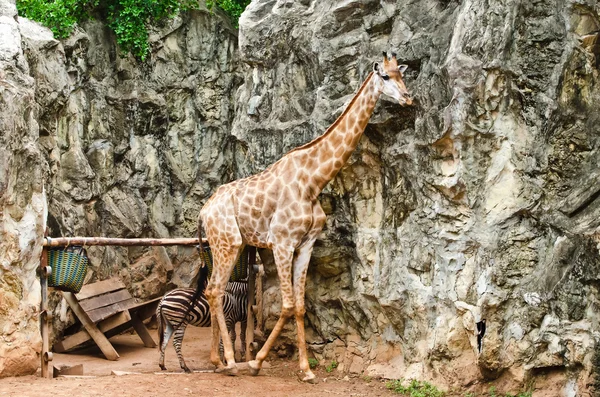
[[477, 203]]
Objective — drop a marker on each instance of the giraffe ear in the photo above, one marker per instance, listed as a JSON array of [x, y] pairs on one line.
[[402, 68], [376, 67]]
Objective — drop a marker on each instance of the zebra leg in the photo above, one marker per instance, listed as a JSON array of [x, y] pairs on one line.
[[177, 341], [167, 332], [243, 339], [232, 335]]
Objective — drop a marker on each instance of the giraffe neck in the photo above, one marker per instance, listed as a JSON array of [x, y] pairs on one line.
[[331, 150]]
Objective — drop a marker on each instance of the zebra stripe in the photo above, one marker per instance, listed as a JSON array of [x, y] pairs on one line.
[[176, 303]]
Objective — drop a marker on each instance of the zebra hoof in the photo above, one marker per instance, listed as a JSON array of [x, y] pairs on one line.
[[163, 368], [187, 370], [254, 367]]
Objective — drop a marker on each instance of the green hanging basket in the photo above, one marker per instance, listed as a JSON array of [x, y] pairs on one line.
[[69, 267], [240, 271]]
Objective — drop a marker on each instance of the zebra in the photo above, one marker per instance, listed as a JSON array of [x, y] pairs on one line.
[[175, 312]]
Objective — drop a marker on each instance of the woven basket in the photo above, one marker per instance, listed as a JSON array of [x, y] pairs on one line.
[[240, 271], [69, 267]]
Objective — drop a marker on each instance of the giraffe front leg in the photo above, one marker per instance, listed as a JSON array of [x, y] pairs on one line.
[[283, 260], [300, 268], [301, 261]]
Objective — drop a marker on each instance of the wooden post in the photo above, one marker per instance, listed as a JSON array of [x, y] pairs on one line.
[[46, 356], [250, 318]]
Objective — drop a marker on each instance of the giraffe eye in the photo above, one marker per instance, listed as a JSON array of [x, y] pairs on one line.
[[385, 77]]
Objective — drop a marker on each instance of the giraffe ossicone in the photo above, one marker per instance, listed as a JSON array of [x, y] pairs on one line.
[[278, 209]]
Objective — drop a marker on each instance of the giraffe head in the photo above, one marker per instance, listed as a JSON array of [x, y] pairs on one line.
[[390, 75]]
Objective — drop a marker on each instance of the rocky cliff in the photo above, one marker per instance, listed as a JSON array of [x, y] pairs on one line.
[[95, 143], [477, 205]]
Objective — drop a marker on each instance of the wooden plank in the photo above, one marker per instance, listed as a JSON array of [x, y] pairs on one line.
[[142, 331], [66, 370], [107, 349], [126, 242], [100, 287], [107, 311], [83, 336], [148, 308], [105, 300]]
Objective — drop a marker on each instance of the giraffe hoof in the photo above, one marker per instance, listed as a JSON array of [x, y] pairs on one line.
[[254, 367], [220, 368], [309, 378], [231, 371]]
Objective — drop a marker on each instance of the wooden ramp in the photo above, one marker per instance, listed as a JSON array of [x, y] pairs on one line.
[[105, 309]]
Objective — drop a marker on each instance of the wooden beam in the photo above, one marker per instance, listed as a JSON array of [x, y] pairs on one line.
[[86, 241], [142, 331], [107, 349], [83, 336]]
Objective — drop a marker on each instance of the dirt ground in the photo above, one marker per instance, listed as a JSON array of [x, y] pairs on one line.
[[278, 378]]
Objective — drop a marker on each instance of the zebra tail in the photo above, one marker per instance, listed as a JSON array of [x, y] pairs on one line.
[[202, 277], [161, 326]]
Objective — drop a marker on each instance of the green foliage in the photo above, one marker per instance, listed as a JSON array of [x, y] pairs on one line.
[[332, 366], [416, 388], [127, 18], [313, 363], [60, 15], [233, 8]]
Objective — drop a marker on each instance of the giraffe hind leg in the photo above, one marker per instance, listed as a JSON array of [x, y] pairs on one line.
[[224, 261]]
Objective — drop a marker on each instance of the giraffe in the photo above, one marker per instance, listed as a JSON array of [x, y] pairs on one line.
[[278, 209]]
